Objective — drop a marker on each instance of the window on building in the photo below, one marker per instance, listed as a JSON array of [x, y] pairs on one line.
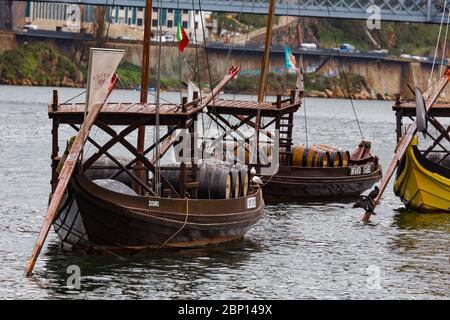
[[170, 10], [185, 11], [169, 24], [129, 21], [155, 9], [139, 22], [196, 12], [154, 23], [185, 24], [196, 25], [122, 8], [140, 9]]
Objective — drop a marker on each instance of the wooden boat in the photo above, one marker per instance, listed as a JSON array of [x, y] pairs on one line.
[[97, 217], [107, 214], [423, 175], [422, 183]]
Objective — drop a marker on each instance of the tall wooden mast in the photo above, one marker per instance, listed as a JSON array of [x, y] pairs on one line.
[[144, 80], [265, 57], [264, 67]]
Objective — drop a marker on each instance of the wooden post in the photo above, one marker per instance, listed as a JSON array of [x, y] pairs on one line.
[[292, 96], [183, 104], [55, 150], [55, 100], [398, 124], [278, 101], [144, 87], [194, 166]]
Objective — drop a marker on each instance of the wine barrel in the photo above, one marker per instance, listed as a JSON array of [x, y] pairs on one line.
[[344, 156], [244, 181], [310, 157], [106, 173], [235, 182], [215, 181]]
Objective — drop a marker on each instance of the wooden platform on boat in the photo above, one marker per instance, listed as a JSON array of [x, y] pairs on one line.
[[408, 109], [268, 109], [125, 113]]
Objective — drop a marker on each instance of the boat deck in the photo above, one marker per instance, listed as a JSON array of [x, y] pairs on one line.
[[125, 113], [408, 109], [268, 109]]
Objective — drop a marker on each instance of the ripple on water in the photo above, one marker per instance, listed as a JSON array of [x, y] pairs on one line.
[[311, 250]]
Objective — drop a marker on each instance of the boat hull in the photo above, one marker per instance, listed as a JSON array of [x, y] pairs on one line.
[[421, 184], [300, 184], [116, 221]]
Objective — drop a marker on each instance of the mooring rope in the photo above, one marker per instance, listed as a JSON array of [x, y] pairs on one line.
[[181, 228]]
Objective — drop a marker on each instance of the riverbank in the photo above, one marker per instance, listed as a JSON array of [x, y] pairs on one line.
[[42, 64]]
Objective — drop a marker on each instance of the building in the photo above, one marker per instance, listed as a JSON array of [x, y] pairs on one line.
[[119, 21]]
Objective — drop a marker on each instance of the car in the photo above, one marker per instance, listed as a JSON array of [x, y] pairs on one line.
[[405, 56], [309, 46], [28, 27], [169, 38], [346, 47]]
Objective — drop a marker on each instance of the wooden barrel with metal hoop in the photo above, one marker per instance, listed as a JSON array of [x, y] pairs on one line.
[[244, 181], [340, 157], [309, 157]]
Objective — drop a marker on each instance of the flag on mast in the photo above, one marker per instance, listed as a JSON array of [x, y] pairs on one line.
[[289, 59], [101, 74], [182, 38]]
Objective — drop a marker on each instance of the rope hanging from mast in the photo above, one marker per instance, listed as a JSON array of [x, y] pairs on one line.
[[437, 44], [344, 74]]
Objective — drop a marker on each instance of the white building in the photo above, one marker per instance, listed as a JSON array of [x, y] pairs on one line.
[[124, 22]]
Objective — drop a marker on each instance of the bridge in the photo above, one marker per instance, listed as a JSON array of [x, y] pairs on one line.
[[428, 11]]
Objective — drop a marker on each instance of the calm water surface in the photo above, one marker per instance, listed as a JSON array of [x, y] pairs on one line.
[[296, 251]]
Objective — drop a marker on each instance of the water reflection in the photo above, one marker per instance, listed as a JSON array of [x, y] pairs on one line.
[[186, 267]]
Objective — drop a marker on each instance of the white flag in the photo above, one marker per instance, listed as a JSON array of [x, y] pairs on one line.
[[102, 66]]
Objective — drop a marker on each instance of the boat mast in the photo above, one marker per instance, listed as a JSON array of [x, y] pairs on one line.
[[144, 83], [263, 77], [265, 57]]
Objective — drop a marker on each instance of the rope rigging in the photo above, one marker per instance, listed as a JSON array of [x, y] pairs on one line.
[[344, 74]]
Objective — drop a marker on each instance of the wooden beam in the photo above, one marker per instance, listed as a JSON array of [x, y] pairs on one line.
[[63, 181]]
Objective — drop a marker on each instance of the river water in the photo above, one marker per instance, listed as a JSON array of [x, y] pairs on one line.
[[297, 251]]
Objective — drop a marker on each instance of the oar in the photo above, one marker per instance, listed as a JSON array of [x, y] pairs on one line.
[[430, 96], [63, 181]]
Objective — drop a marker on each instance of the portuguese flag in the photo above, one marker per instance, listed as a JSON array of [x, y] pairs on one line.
[[182, 38]]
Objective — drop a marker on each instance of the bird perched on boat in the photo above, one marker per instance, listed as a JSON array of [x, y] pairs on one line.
[[367, 202], [257, 180]]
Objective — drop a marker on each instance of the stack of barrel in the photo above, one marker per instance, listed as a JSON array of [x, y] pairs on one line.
[[217, 180], [319, 156]]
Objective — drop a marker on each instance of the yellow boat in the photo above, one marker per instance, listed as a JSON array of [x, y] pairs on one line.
[[421, 182]]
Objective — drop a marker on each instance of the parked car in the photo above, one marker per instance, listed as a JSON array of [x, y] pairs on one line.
[[169, 38], [346, 47], [29, 27], [309, 46], [405, 56]]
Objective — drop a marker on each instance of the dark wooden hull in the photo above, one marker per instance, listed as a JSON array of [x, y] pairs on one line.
[[116, 221], [300, 184]]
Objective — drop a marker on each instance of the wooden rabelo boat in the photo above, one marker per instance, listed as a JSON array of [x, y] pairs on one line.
[[134, 204], [423, 175], [304, 173], [422, 180]]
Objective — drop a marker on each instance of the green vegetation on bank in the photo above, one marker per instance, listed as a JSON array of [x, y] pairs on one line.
[[412, 38], [38, 64]]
